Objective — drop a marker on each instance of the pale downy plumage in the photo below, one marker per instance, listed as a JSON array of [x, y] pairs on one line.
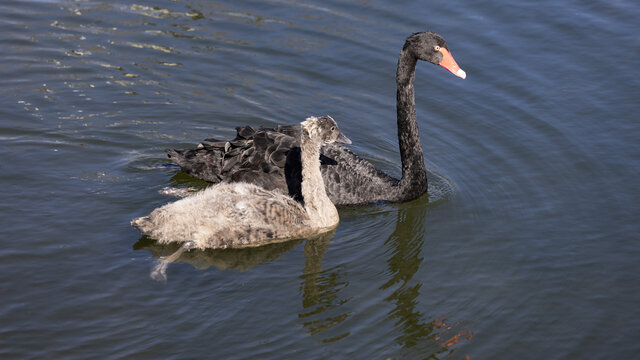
[[236, 215]]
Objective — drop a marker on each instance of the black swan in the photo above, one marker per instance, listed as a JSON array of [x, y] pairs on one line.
[[270, 157]]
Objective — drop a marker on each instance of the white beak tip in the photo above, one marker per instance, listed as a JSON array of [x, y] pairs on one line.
[[460, 73]]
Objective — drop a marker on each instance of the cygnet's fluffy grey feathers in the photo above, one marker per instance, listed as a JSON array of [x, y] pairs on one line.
[[227, 216]]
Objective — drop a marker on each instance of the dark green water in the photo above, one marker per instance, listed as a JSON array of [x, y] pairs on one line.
[[535, 253]]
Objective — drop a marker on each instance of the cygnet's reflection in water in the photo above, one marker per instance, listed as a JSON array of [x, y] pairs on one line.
[[225, 259], [320, 290]]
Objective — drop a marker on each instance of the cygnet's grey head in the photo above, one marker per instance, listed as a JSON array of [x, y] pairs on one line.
[[324, 130]]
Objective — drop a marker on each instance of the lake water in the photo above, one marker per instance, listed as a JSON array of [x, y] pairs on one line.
[[533, 254]]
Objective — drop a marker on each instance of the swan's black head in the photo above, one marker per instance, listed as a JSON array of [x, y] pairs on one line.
[[324, 130], [431, 47]]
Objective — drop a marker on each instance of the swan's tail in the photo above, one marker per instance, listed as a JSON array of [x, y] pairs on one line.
[[159, 269]]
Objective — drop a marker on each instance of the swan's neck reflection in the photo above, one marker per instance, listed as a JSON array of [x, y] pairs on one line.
[[405, 245]]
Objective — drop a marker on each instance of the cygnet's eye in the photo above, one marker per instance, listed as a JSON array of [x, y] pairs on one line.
[[333, 128], [436, 48]]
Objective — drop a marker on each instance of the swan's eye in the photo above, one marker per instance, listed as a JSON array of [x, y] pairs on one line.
[[436, 48]]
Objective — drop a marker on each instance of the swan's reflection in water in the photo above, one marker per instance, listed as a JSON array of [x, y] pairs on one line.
[[436, 337]]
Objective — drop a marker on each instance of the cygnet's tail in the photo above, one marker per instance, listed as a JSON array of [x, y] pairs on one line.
[[159, 270]]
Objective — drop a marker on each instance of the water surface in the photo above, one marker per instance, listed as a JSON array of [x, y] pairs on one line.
[[532, 254]]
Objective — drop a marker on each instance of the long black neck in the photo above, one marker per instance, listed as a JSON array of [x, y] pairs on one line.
[[414, 173]]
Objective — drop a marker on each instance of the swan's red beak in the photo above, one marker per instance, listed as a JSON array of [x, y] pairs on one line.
[[450, 64]]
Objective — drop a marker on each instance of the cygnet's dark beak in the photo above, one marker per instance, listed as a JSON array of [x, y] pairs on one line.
[[343, 139]]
